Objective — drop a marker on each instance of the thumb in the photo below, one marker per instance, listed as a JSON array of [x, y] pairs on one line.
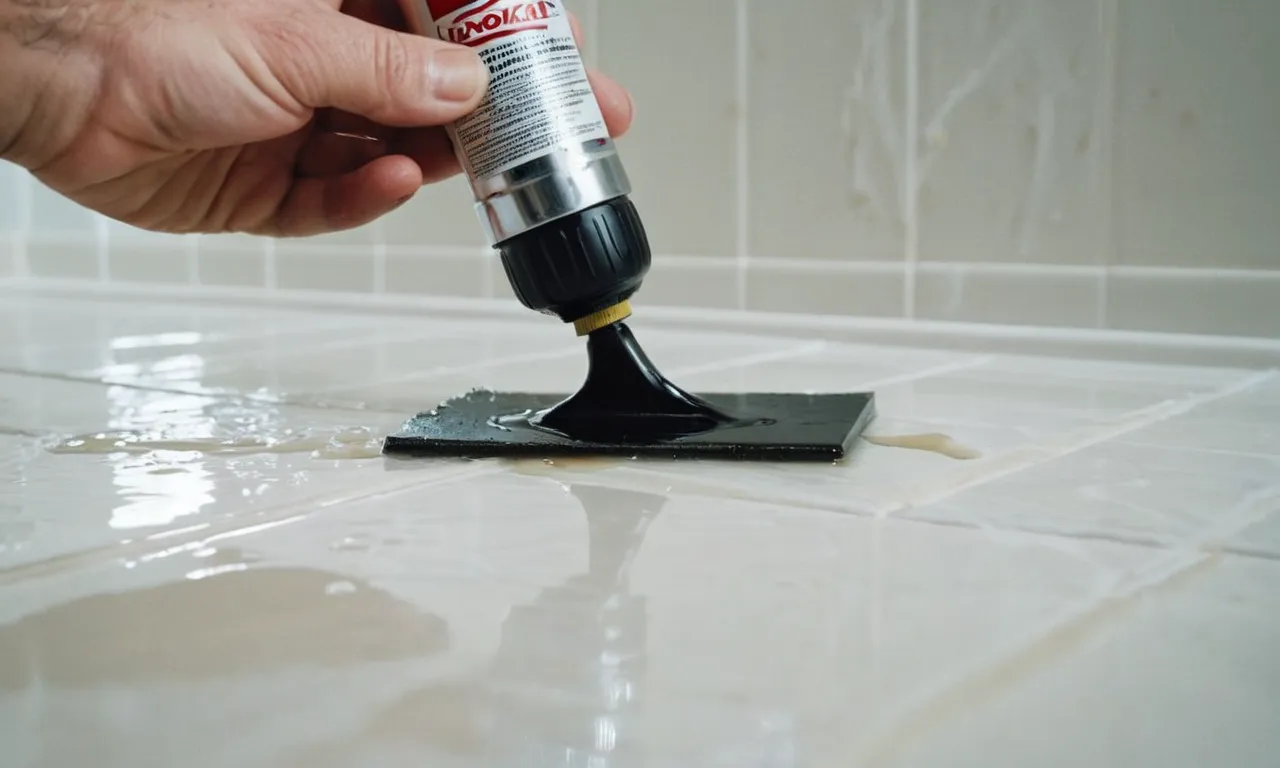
[[393, 78]]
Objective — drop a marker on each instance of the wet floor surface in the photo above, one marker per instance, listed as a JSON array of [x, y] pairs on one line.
[[1032, 562]]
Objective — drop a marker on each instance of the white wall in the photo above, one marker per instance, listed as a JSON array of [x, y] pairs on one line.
[[1080, 163]]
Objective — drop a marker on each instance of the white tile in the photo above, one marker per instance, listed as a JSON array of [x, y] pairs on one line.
[[680, 153], [13, 181], [232, 261], [826, 289], [1181, 674], [1191, 301], [1119, 525], [1009, 295], [147, 462], [1151, 495], [827, 148], [53, 215], [8, 257], [413, 271], [514, 612], [1247, 422], [147, 261], [64, 257], [1011, 164], [552, 361], [684, 281], [441, 214], [1196, 175], [339, 270], [86, 338]]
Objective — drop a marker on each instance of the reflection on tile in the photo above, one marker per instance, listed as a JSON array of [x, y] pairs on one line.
[[147, 461], [1195, 181], [826, 126], [230, 560], [682, 169], [1010, 168], [1011, 296], [563, 607]]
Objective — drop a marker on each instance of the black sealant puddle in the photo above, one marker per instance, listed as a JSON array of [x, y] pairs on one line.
[[627, 407]]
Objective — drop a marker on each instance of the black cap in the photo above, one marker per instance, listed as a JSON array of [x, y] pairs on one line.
[[579, 264]]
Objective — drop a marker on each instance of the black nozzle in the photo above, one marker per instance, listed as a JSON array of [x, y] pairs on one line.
[[579, 264]]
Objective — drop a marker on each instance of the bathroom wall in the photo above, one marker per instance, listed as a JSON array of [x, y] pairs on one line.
[[1091, 163]]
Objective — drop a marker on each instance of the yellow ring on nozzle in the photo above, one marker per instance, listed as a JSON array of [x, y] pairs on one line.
[[605, 317]]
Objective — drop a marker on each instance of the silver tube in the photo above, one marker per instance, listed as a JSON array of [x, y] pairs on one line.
[[537, 148]]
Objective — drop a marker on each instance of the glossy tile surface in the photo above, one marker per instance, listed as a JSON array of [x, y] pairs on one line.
[[197, 538]]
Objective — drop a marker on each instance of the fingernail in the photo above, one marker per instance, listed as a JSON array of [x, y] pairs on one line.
[[401, 202], [457, 74]]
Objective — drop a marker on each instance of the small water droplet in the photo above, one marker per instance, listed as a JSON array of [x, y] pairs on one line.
[[350, 544], [340, 588]]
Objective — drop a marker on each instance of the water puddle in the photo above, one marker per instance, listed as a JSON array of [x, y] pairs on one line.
[[943, 445], [333, 444]]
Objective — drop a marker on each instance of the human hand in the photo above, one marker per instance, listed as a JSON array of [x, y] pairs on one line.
[[279, 117]]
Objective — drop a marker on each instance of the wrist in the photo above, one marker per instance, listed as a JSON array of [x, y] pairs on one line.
[[47, 85]]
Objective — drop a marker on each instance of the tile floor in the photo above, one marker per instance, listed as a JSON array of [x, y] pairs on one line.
[[198, 568]]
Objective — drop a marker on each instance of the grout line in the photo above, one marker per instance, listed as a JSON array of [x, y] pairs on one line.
[[26, 207], [379, 267], [488, 272], [939, 370], [911, 192], [1009, 667], [269, 277], [1032, 456], [1104, 161], [759, 358], [468, 368], [191, 251], [1170, 348], [102, 237], [144, 549], [742, 189]]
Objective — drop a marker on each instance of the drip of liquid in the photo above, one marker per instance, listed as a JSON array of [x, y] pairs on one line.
[[942, 445], [625, 398]]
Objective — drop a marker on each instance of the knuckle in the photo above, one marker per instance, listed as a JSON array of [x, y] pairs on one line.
[[395, 64]]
